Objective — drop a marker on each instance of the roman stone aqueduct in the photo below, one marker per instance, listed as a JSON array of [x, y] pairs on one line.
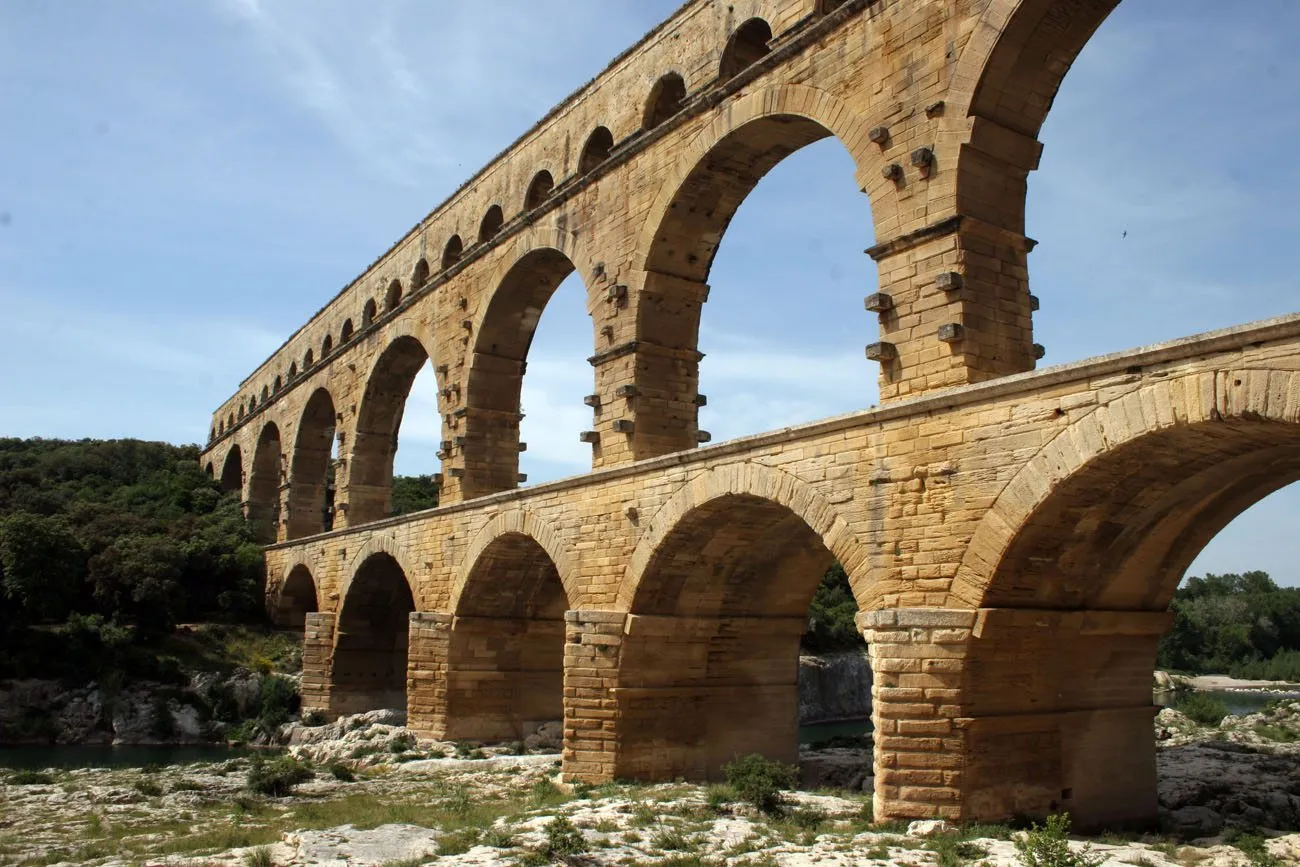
[[1012, 537]]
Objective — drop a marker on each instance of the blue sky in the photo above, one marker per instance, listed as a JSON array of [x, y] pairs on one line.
[[183, 184]]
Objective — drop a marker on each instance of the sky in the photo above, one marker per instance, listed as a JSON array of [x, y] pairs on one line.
[[183, 184]]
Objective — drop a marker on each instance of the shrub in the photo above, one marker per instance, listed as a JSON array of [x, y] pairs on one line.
[[671, 840], [1201, 708], [1049, 846], [161, 725], [401, 743], [276, 778], [458, 842], [278, 702], [563, 839], [29, 778], [545, 793], [313, 719], [341, 772], [148, 788], [259, 857], [808, 818], [758, 781]]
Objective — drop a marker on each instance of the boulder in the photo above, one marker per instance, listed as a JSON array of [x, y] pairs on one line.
[[1192, 821], [548, 738]]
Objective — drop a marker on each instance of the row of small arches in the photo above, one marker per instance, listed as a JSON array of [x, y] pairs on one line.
[[748, 44]]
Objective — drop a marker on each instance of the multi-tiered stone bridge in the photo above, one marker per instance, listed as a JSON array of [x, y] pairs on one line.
[[1012, 536]]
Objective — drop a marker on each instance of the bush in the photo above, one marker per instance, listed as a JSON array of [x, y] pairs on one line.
[[148, 788], [277, 778], [29, 778], [341, 772], [758, 781], [401, 743], [563, 839], [278, 702], [313, 719], [1202, 708], [259, 857], [1049, 846]]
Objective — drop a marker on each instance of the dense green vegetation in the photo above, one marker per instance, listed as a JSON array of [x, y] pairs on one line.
[[106, 546], [414, 494], [831, 626], [1243, 625]]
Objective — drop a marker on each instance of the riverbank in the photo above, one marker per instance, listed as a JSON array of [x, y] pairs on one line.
[[377, 795]]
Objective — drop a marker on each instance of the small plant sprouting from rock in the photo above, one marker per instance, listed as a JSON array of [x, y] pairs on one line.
[[29, 778], [1049, 846], [759, 781], [148, 788], [276, 778]]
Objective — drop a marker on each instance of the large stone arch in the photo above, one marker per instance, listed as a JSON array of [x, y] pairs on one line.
[[497, 354], [760, 482], [373, 440], [1227, 406], [505, 648], [265, 476], [719, 595], [296, 594], [385, 543], [310, 509], [370, 662], [684, 227], [521, 522], [231, 479]]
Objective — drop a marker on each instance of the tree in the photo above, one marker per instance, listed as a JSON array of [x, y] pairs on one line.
[[42, 565]]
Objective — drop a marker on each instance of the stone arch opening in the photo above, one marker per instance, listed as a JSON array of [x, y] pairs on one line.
[[368, 313], [263, 509], [505, 666], [493, 220], [597, 149], [666, 99], [232, 472], [326, 346], [297, 599], [826, 7], [370, 467], [539, 190], [311, 475], [371, 640], [496, 375], [1076, 603], [420, 274], [693, 221], [453, 251], [393, 296], [710, 659], [346, 333], [747, 46], [309, 359], [230, 422], [210, 470], [293, 371]]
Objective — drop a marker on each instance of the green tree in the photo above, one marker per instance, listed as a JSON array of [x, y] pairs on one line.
[[42, 566]]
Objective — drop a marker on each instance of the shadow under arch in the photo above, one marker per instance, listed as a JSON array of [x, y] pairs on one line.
[[505, 659], [369, 492], [310, 509], [297, 597], [685, 225], [709, 664], [502, 336], [372, 638], [232, 472]]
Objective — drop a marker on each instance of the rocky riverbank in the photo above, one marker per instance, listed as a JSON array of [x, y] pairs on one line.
[[208, 708], [379, 795]]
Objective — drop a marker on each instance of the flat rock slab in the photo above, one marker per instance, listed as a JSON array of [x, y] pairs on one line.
[[348, 847]]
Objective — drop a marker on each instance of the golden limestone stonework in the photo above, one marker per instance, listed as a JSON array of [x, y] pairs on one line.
[[1012, 537]]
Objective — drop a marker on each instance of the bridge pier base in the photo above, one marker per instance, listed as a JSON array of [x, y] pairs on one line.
[[317, 654], [592, 644], [426, 673], [985, 715]]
